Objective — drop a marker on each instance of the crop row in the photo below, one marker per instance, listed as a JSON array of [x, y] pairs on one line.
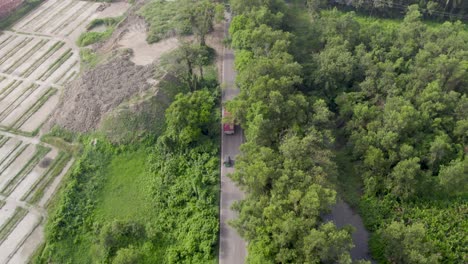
[[43, 58], [52, 68], [15, 49], [54, 17], [40, 153], [18, 100], [11, 223], [9, 88], [12, 156], [36, 192], [7, 40], [25, 56], [34, 108], [72, 18]]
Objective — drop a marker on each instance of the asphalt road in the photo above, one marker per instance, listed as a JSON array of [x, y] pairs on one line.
[[232, 248]]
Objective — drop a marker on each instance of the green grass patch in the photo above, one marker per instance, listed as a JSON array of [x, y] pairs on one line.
[[19, 13], [108, 22], [88, 38], [349, 182], [126, 194], [89, 58], [164, 18], [388, 23]]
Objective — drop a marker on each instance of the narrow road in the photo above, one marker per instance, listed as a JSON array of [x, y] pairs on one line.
[[232, 248]]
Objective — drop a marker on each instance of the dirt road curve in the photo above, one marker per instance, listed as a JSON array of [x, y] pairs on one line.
[[231, 247]]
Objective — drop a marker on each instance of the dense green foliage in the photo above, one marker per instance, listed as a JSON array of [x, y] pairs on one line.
[[167, 211], [452, 9], [286, 166], [399, 94], [180, 17]]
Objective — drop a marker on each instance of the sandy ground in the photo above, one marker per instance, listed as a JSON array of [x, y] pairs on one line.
[[98, 91], [144, 53]]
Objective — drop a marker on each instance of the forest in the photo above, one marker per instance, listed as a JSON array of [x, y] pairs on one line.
[[433, 9], [334, 105], [389, 97]]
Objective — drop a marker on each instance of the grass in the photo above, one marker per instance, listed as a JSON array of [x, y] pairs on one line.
[[89, 58], [19, 13], [11, 223], [92, 37], [164, 19], [349, 182], [125, 195], [390, 23]]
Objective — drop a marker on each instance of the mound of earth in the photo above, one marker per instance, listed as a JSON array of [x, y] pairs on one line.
[[97, 91]]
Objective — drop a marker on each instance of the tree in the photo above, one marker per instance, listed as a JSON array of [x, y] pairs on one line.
[[183, 62], [201, 15], [407, 244], [191, 117], [128, 255], [454, 176]]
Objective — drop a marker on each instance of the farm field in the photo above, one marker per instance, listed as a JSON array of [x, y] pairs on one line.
[[38, 56]]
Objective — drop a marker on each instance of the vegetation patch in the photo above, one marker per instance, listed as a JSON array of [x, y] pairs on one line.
[[92, 37], [165, 19]]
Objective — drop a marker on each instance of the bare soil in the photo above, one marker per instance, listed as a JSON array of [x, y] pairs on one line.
[[96, 92]]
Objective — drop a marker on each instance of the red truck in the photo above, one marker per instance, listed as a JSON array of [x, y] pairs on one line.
[[228, 123]]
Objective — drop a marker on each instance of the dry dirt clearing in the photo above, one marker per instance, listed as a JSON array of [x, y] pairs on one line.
[[37, 58]]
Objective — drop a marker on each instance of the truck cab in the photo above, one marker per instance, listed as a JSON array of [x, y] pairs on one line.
[[228, 123]]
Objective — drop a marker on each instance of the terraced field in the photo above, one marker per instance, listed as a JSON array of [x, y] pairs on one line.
[[37, 58]]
